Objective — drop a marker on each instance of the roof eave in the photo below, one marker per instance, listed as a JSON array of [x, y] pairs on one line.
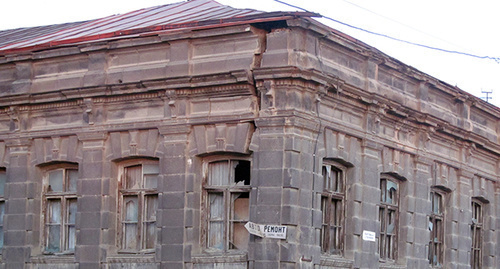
[[152, 30]]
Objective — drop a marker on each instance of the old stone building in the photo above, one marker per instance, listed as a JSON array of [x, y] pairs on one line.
[[149, 139]]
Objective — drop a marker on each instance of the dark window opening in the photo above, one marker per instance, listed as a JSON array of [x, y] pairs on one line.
[[242, 172]]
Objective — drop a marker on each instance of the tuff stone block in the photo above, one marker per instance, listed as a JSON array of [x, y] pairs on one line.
[[172, 217], [173, 253], [88, 236], [172, 235], [87, 254], [269, 196], [173, 200], [270, 177], [89, 203]]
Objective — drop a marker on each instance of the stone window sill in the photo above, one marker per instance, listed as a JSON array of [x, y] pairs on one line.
[[63, 258], [131, 258], [335, 261], [220, 257], [391, 265]]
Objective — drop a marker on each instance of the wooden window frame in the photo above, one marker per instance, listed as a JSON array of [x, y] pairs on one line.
[[3, 181], [64, 197], [228, 211], [477, 228], [333, 209], [388, 241], [141, 193], [436, 228]]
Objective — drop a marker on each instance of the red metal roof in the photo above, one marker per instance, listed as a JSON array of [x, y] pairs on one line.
[[194, 13]]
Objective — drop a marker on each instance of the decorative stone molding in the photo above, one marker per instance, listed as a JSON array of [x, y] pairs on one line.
[[223, 137], [398, 162], [57, 148], [133, 143], [341, 146]]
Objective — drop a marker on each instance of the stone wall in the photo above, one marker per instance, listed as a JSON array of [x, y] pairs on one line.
[[288, 100]]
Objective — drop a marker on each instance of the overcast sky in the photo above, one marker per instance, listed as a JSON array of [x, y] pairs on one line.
[[459, 25]]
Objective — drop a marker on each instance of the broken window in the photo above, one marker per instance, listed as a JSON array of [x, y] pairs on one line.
[[388, 218], [227, 192], [60, 209], [476, 234], [3, 179], [332, 208], [139, 204], [436, 229]]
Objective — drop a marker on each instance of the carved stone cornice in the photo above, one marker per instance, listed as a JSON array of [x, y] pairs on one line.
[[311, 124], [292, 75]]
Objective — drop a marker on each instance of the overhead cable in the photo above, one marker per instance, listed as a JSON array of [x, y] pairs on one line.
[[497, 59], [400, 23]]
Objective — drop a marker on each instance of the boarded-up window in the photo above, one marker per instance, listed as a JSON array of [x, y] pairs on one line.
[[227, 192], [388, 218], [60, 209], [139, 204], [436, 228], [476, 235], [3, 179], [332, 207]]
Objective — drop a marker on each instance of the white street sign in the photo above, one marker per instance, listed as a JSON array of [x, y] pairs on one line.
[[369, 236], [254, 229], [266, 231]]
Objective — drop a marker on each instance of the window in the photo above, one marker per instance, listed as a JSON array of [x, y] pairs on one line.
[[227, 190], [139, 203], [436, 229], [332, 208], [60, 209], [476, 234], [388, 218], [3, 179]]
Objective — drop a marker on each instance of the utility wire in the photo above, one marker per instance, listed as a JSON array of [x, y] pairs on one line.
[[497, 59], [400, 23]]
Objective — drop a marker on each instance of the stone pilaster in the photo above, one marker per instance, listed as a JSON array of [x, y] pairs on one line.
[[177, 200], [19, 232], [365, 211], [90, 252]]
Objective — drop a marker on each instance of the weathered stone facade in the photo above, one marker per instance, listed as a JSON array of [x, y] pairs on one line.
[[288, 97]]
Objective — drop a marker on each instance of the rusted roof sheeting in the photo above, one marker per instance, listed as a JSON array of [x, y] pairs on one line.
[[24, 34], [173, 16]]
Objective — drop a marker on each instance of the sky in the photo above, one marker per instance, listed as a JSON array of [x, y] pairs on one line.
[[454, 25]]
